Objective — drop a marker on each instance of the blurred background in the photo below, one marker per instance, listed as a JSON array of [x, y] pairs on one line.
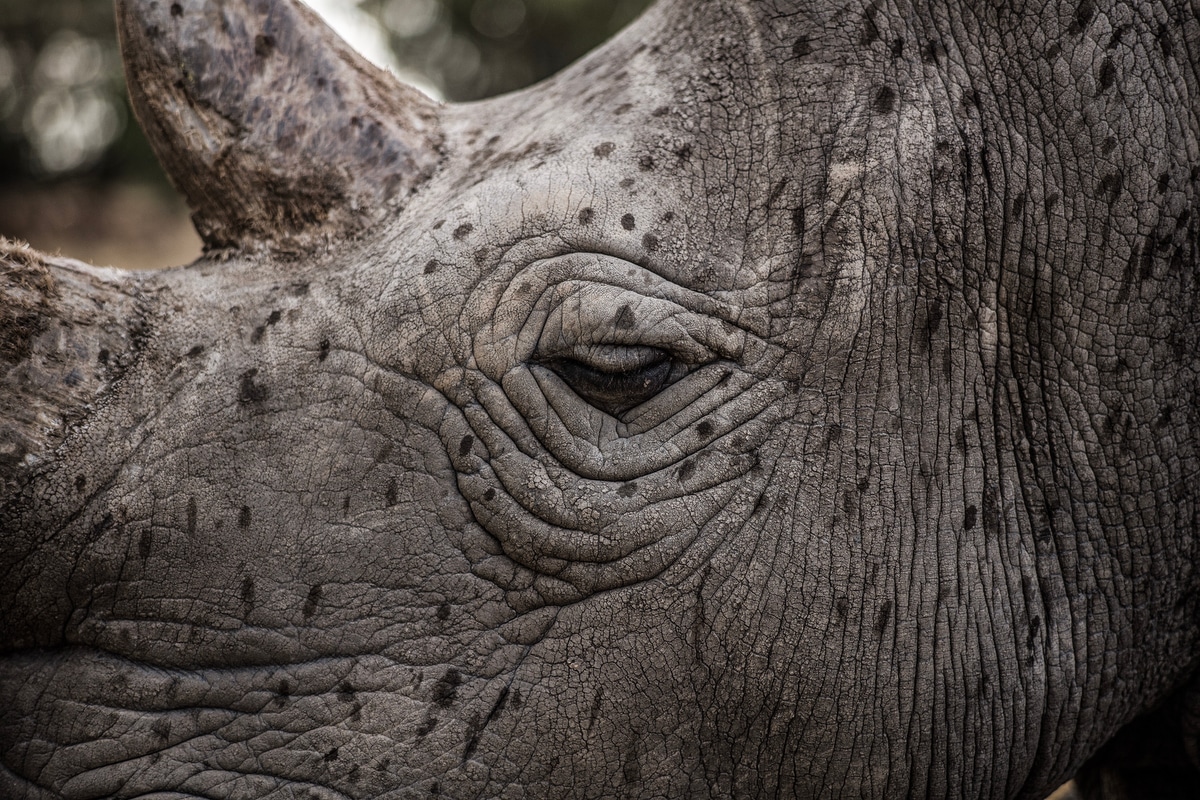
[[78, 178]]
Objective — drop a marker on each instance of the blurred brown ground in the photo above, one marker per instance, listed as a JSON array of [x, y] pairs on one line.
[[128, 225]]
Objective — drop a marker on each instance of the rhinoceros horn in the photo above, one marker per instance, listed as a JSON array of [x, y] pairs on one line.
[[277, 132]]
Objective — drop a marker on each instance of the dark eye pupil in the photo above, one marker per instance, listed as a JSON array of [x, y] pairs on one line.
[[614, 390]]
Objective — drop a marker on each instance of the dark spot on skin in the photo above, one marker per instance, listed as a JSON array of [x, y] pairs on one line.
[[384, 453], [646, 164], [969, 518], [346, 504], [345, 692], [777, 191], [1108, 74], [161, 728], [249, 391], [624, 108], [427, 727], [263, 45], [683, 152], [1109, 145], [627, 489], [103, 355], [1018, 205], [1164, 40], [310, 602], [626, 183], [833, 434], [881, 620], [631, 768], [586, 215], [445, 690], [248, 592], [256, 337], [624, 320], [274, 317], [596, 705], [431, 266], [391, 491], [284, 690], [627, 222], [661, 111], [802, 47], [244, 517], [885, 100], [191, 516], [1052, 51], [443, 611], [332, 755], [438, 225], [870, 31], [489, 495], [80, 483], [991, 512], [464, 446], [686, 470], [1110, 186], [930, 53], [603, 150], [933, 320], [193, 353], [849, 503], [323, 350], [1083, 15], [73, 378], [1146, 270], [842, 608], [704, 429], [897, 48], [299, 289], [650, 242], [145, 542], [1164, 181], [1051, 200], [176, 10], [462, 230], [667, 217]]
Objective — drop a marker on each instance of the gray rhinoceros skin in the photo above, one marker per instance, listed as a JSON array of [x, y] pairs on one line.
[[790, 399]]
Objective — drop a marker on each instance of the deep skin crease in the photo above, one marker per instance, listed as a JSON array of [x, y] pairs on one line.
[[787, 400]]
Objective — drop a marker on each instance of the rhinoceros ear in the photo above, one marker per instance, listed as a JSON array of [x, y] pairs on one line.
[[276, 131]]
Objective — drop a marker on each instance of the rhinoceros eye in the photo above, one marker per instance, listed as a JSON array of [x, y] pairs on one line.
[[615, 378]]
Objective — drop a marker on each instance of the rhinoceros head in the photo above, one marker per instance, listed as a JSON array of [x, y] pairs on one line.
[[788, 399]]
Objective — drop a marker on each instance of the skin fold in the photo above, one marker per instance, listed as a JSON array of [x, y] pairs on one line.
[[786, 400]]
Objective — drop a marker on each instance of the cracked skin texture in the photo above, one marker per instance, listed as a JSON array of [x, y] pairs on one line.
[[913, 515]]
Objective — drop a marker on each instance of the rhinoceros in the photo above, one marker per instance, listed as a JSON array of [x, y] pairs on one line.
[[789, 399]]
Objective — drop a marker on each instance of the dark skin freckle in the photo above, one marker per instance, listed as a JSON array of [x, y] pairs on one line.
[[885, 100], [586, 216], [627, 222]]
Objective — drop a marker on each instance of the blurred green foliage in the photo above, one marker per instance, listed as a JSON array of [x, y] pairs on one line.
[[64, 114]]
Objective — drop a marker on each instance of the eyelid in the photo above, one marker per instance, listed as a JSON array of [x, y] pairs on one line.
[[583, 315], [609, 359]]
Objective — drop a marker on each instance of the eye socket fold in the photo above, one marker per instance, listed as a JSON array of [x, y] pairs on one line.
[[616, 378]]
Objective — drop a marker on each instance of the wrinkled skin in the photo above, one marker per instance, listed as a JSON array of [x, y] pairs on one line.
[[788, 400]]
